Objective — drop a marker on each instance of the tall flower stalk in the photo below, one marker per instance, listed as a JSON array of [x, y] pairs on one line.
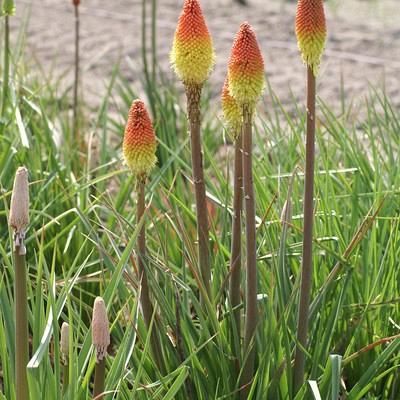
[[76, 72], [19, 220], [192, 58], [233, 118], [7, 9], [101, 341], [311, 36], [246, 84], [139, 150]]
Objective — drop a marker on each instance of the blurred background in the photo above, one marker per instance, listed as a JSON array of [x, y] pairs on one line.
[[363, 43]]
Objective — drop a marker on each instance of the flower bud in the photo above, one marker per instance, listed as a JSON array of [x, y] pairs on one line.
[[64, 341], [311, 31], [8, 7], [192, 56], [246, 67], [76, 2], [100, 329], [232, 113], [19, 209], [139, 147]]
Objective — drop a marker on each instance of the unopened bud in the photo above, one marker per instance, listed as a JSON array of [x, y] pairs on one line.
[[100, 329], [7, 7], [76, 2], [19, 209], [64, 342]]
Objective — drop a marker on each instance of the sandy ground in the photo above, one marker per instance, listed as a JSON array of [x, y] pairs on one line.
[[363, 44]]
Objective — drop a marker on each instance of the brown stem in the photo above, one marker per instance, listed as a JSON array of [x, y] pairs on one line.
[[99, 379], [193, 93], [236, 256], [306, 270], [21, 326], [76, 78], [251, 262], [145, 301]]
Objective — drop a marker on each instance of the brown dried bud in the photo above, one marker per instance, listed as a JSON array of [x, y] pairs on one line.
[[64, 341], [19, 209], [100, 329], [76, 2]]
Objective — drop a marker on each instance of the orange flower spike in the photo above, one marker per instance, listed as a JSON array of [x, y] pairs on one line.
[[192, 55], [140, 143], [232, 113], [311, 31], [246, 67]]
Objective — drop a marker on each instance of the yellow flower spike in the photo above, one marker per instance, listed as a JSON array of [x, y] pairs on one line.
[[246, 67], [140, 143], [192, 55], [311, 31], [232, 113]]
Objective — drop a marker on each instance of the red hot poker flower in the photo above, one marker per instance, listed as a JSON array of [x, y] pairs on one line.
[[246, 67], [311, 31], [140, 143]]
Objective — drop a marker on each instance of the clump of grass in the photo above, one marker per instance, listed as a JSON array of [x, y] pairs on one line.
[[101, 341], [311, 34], [19, 221], [192, 58], [246, 83]]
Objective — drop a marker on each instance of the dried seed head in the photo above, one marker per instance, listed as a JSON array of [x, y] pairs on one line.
[[64, 341], [100, 329], [192, 55], [232, 113], [246, 67], [76, 2], [139, 147], [19, 209], [311, 31]]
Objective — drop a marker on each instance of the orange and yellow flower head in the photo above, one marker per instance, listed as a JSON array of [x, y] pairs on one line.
[[139, 147], [246, 67], [192, 55], [311, 31], [232, 112]]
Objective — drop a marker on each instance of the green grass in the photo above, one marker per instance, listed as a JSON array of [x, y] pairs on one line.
[[83, 231]]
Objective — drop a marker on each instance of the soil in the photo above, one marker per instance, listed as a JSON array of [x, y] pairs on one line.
[[363, 46]]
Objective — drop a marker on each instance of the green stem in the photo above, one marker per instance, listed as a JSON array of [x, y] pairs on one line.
[[153, 39], [145, 301], [99, 379], [306, 270], [251, 262], [6, 71], [236, 256], [21, 327], [76, 79], [193, 94]]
